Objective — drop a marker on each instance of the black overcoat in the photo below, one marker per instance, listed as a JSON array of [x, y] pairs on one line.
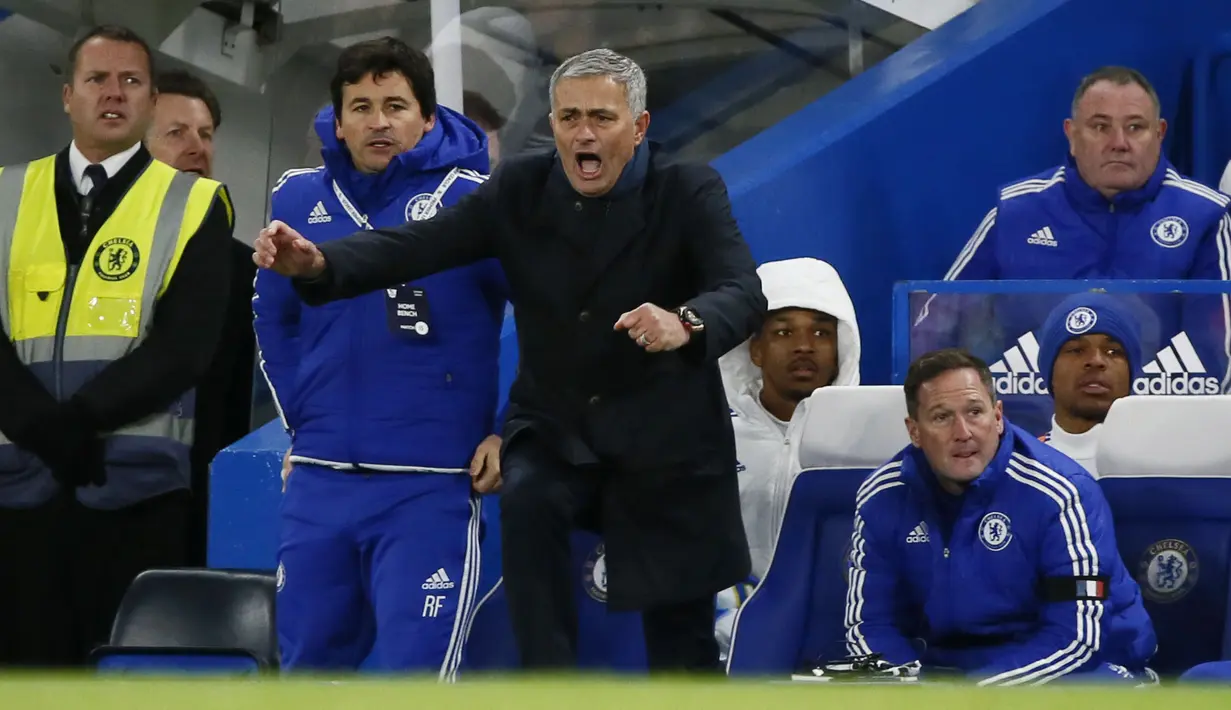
[[656, 424]]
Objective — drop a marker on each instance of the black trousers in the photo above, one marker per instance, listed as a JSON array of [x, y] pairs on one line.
[[64, 569], [544, 498]]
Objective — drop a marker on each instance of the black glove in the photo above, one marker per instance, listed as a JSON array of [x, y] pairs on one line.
[[66, 440], [85, 460], [37, 433]]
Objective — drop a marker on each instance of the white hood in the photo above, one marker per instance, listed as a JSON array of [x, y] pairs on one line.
[[798, 283], [768, 456]]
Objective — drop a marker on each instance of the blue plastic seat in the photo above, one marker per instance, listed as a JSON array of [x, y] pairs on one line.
[[1165, 467], [795, 614]]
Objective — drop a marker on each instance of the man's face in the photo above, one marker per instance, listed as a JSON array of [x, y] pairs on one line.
[[1116, 137], [182, 134], [797, 351], [1091, 372], [595, 132], [957, 426], [110, 98], [380, 120]]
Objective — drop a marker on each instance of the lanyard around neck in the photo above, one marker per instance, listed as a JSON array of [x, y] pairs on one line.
[[361, 219]]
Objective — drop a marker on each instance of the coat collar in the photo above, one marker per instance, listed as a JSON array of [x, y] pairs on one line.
[[598, 229], [1087, 199]]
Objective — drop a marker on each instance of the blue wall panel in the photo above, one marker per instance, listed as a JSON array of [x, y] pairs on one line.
[[245, 489], [887, 176]]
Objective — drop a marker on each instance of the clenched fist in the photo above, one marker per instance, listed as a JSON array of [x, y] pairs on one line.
[[653, 328], [282, 249]]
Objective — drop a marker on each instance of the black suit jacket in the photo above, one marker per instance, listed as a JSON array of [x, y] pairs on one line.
[[574, 265]]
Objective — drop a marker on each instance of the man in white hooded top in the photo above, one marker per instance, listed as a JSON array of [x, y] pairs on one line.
[[809, 340]]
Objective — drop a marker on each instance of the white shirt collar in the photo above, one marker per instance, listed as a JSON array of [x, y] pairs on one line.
[[77, 163], [1077, 446]]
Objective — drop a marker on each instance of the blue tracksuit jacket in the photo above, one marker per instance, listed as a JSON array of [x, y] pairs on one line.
[[1055, 226], [959, 582], [391, 380]]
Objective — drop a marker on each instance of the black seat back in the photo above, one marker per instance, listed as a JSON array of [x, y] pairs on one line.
[[202, 609]]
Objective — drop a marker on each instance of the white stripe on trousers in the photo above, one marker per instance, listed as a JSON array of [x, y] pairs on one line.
[[466, 606]]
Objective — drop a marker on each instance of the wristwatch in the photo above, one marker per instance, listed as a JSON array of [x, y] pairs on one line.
[[688, 316]]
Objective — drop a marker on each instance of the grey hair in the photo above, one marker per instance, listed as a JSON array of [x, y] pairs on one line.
[[1120, 76], [604, 62]]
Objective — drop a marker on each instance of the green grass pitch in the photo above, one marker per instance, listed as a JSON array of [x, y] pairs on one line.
[[64, 692]]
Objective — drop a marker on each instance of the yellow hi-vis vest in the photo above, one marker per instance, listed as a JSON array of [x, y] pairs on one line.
[[69, 323]]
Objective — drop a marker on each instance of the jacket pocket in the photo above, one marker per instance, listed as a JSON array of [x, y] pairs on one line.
[[36, 307]]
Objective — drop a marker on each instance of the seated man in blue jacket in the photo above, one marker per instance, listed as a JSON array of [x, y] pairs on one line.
[[1116, 209], [388, 395], [982, 550]]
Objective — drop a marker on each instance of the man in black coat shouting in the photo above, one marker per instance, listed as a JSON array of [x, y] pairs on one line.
[[629, 279]]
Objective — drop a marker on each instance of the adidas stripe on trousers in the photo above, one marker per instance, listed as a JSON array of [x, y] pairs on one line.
[[377, 571]]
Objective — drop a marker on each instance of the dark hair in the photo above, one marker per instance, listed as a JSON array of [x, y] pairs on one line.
[[478, 109], [115, 33], [182, 83], [929, 366], [1120, 76], [379, 57]]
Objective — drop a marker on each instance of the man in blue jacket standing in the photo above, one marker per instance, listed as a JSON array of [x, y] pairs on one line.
[[390, 396], [1116, 209], [980, 549]]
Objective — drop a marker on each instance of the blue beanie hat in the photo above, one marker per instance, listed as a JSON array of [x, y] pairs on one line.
[[1084, 313]]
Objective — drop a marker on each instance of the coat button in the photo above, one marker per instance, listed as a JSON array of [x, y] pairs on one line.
[[577, 206], [594, 400], [583, 316]]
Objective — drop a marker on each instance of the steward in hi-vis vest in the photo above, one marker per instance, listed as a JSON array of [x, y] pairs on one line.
[[70, 323], [116, 271]]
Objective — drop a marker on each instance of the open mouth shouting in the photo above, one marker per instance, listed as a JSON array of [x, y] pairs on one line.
[[589, 166]]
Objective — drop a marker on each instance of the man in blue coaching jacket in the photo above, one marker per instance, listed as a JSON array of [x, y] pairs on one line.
[[387, 394], [980, 549]]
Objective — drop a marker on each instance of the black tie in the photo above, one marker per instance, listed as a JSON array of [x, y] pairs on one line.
[[98, 178]]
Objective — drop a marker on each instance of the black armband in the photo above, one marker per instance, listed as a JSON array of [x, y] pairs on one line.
[[1078, 588]]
